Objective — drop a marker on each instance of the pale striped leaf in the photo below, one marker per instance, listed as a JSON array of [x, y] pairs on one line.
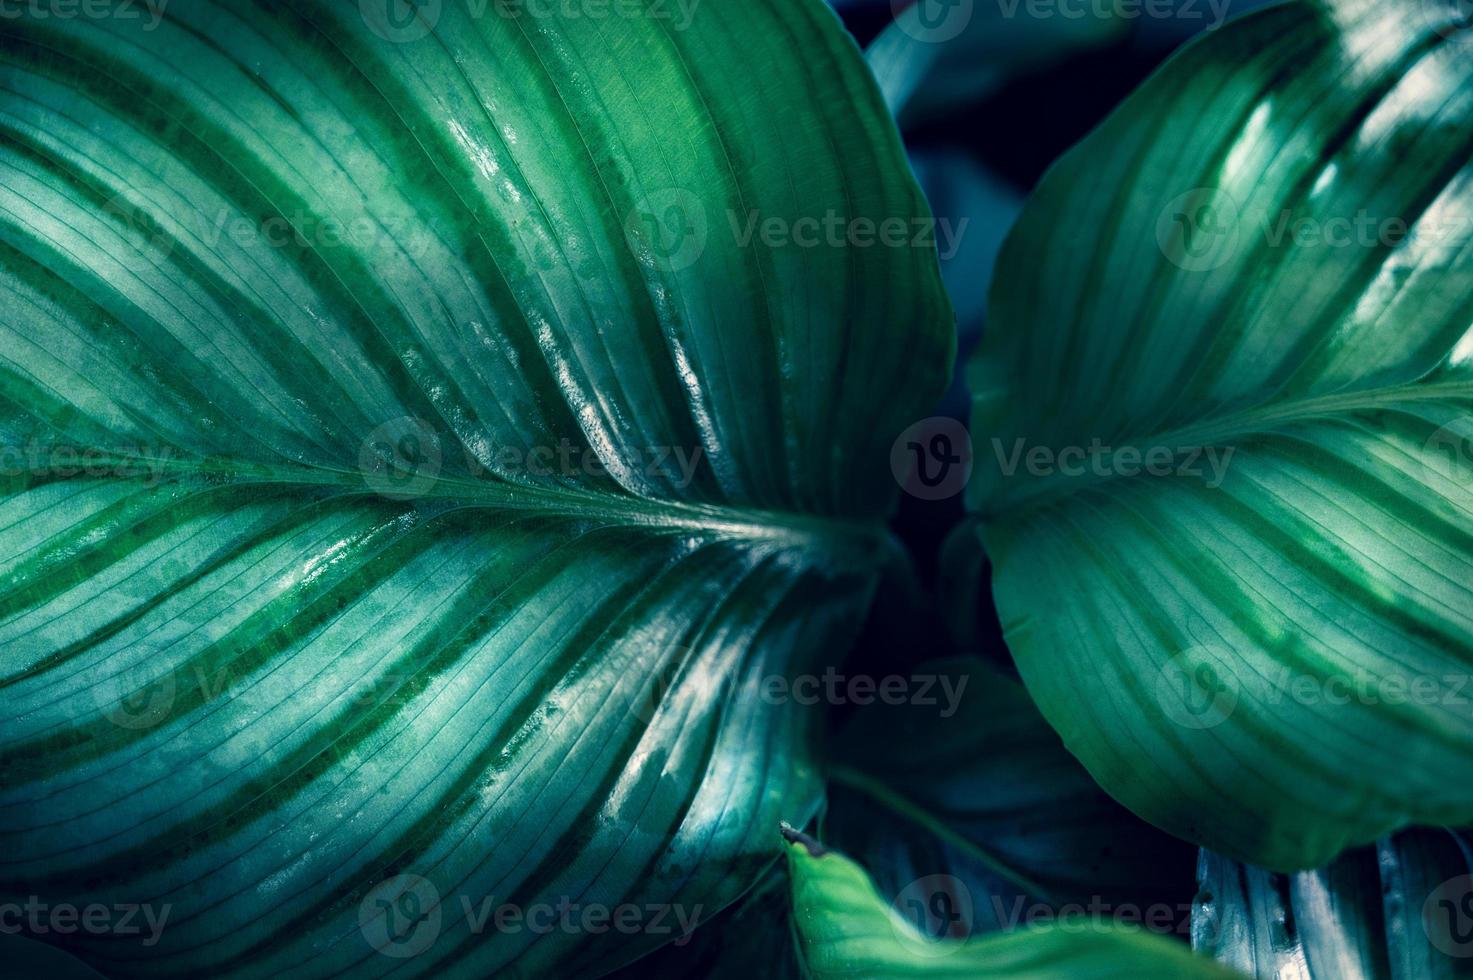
[[1402, 910]]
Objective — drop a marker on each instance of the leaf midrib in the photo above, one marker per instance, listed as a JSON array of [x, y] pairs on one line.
[[1219, 433], [789, 528]]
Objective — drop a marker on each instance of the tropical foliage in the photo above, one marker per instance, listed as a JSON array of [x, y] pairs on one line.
[[453, 451]]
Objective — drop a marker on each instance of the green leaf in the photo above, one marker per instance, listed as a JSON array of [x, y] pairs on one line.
[[846, 929], [966, 780], [1402, 910], [410, 472], [937, 57], [1264, 646]]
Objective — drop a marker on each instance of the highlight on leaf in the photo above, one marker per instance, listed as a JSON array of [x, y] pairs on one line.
[[1224, 395], [424, 473]]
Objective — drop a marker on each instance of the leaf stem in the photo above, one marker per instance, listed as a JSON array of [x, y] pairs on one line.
[[885, 795]]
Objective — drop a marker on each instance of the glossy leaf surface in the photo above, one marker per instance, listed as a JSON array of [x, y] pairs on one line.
[[1401, 910], [1223, 416], [421, 472]]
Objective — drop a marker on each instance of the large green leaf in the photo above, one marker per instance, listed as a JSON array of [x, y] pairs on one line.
[[1264, 647], [1402, 910], [419, 471], [965, 781], [845, 929]]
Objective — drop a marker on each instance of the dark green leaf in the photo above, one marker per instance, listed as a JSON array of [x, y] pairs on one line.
[[411, 472], [966, 780], [1264, 647]]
